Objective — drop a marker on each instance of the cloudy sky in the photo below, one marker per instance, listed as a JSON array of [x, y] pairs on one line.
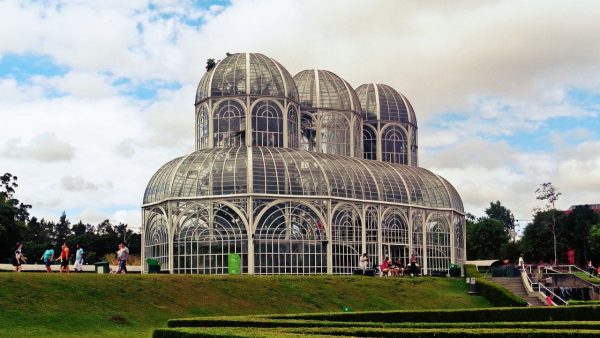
[[96, 95]]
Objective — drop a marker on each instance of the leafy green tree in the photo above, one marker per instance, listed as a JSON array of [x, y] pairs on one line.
[[537, 240], [485, 238], [62, 229], [578, 225], [594, 243], [501, 213], [549, 195], [13, 215]]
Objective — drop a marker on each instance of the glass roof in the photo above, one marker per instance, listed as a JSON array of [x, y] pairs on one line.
[[281, 171], [382, 102], [247, 74], [334, 92]]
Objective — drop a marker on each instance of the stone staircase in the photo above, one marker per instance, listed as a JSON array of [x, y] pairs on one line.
[[515, 285]]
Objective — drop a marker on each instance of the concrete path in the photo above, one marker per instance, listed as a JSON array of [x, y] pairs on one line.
[[56, 268]]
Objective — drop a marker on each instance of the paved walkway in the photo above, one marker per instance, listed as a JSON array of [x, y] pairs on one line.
[[56, 268]]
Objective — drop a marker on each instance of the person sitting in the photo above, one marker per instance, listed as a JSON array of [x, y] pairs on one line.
[[400, 267], [385, 266]]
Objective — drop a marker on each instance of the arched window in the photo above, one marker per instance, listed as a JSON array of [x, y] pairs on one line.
[[292, 128], [156, 238], [290, 239], [335, 134], [459, 239], [393, 145], [371, 223], [394, 235], [438, 244], [357, 136], [202, 128], [205, 238], [308, 132], [267, 124], [414, 148], [369, 142], [346, 239], [229, 124]]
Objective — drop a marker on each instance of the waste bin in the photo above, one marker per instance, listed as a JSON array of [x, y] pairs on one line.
[[454, 270], [153, 265], [101, 267]]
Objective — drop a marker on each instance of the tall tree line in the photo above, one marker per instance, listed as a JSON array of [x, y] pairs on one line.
[[17, 225], [548, 237]]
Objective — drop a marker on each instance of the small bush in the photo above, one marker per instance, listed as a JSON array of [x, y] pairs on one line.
[[494, 293], [584, 302]]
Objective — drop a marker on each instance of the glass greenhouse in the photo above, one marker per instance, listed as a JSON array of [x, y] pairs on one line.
[[281, 177]]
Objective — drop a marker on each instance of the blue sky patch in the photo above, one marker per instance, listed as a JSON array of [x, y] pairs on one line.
[[145, 90], [23, 66]]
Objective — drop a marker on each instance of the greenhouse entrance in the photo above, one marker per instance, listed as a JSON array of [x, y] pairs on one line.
[[397, 251]]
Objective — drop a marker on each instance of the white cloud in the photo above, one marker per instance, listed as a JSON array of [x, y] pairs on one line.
[[44, 147]]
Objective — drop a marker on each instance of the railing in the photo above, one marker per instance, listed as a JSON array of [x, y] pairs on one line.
[[576, 268], [538, 287]]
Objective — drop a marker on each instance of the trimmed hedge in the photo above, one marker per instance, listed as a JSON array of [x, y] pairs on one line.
[[369, 332], [292, 323], [494, 293], [584, 302], [514, 314]]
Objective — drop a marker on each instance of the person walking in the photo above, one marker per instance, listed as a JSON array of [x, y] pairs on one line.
[[64, 258], [19, 258], [48, 257], [78, 266], [122, 256]]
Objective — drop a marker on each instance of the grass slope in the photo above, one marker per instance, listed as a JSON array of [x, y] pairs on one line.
[[133, 305]]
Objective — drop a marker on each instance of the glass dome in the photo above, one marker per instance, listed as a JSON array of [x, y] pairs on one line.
[[280, 171], [331, 120], [382, 102], [243, 74], [322, 89]]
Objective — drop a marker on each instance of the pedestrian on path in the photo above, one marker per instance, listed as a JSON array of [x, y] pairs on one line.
[[19, 258], [64, 258], [122, 256], [48, 257], [78, 267]]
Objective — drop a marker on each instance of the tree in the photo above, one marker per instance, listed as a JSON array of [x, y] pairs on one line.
[[13, 215], [547, 193], [62, 228], [594, 243], [537, 236], [501, 213], [485, 238], [578, 225]]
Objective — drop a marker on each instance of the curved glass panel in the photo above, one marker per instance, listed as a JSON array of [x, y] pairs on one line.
[[267, 124], [229, 78]]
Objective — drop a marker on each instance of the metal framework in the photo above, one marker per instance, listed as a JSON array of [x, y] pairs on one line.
[[279, 178]]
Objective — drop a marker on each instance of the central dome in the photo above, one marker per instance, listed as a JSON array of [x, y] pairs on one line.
[[247, 74]]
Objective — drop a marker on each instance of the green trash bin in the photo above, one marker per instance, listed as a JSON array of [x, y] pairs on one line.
[[454, 270], [101, 267], [153, 265]]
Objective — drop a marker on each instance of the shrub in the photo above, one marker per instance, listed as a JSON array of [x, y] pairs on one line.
[[494, 293]]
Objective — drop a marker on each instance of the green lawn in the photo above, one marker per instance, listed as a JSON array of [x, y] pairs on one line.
[[37, 304]]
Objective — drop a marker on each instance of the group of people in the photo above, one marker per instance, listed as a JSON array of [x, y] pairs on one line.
[[47, 257], [392, 268]]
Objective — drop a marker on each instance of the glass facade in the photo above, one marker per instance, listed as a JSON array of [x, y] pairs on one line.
[[298, 176]]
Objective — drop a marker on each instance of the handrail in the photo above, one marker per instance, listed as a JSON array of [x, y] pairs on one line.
[[580, 269], [540, 287]]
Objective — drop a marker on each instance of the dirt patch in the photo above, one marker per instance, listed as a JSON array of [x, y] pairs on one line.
[[119, 320]]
